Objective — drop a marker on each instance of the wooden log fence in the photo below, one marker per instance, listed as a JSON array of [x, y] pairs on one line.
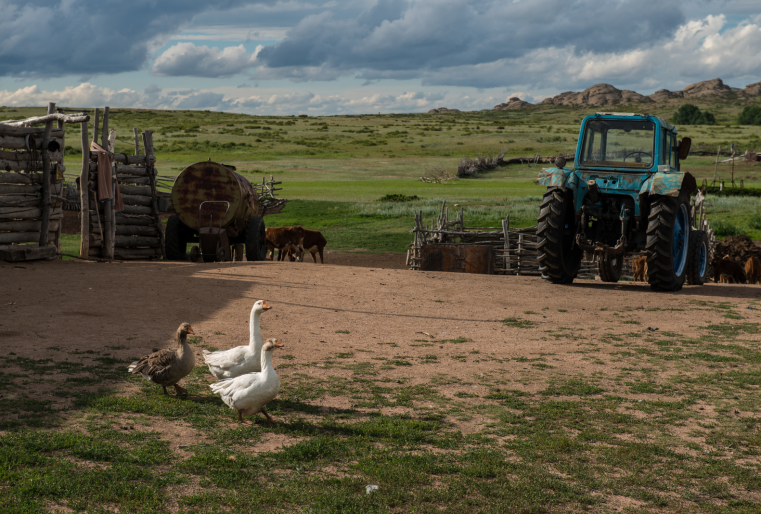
[[32, 185], [515, 249], [135, 233]]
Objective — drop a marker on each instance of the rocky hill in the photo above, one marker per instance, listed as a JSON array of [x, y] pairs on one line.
[[605, 94]]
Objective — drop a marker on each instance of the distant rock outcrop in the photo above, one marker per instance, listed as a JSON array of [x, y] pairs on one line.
[[663, 95], [751, 90], [512, 103], [598, 95], [442, 110], [706, 88]]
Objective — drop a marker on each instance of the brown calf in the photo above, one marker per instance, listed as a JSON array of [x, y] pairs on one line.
[[752, 268], [285, 239], [640, 268], [314, 242], [727, 267]]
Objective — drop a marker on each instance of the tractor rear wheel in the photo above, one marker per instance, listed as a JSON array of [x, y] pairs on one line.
[[668, 242], [256, 239], [175, 240], [558, 255], [697, 259], [610, 267]]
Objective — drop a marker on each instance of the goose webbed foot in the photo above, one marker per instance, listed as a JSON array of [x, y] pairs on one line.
[[243, 421], [270, 419], [178, 389]]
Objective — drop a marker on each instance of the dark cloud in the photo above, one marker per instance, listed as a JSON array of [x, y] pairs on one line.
[[43, 38], [416, 36]]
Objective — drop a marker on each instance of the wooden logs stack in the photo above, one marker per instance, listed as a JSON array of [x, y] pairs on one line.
[[31, 183], [135, 233]]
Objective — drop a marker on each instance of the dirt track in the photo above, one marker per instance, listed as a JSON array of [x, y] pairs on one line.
[[76, 305]]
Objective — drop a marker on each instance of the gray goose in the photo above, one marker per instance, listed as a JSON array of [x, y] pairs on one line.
[[167, 367]]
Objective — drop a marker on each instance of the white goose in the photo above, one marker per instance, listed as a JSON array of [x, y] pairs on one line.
[[241, 359], [249, 393]]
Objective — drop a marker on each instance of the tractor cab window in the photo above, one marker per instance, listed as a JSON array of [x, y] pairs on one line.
[[618, 144]]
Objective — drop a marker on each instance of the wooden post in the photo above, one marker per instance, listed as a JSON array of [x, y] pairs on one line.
[[148, 147], [44, 226], [506, 231], [84, 198], [716, 167], [520, 250], [95, 124], [108, 207]]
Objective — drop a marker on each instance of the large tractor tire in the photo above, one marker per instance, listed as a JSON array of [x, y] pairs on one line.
[[558, 255], [175, 239], [256, 239], [610, 267], [668, 242], [697, 259]]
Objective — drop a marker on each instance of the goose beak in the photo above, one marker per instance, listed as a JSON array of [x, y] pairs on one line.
[[266, 306], [278, 344], [190, 331]]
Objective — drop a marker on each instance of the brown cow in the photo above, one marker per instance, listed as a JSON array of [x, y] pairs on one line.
[[285, 239], [752, 268], [314, 242], [640, 268], [728, 267]]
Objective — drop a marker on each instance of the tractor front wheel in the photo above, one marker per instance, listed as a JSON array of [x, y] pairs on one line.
[[558, 255], [668, 242], [697, 259], [610, 267]]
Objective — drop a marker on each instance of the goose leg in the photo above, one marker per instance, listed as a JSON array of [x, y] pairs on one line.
[[241, 420], [270, 419], [178, 389], [167, 394]]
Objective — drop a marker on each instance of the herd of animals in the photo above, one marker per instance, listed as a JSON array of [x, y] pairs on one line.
[[247, 380], [293, 242], [725, 270]]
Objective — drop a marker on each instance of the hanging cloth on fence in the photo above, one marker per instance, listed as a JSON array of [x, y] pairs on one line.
[[105, 193]]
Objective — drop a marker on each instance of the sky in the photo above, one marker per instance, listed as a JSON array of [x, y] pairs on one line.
[[285, 57]]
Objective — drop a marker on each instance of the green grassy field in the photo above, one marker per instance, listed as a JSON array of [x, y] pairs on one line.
[[338, 162]]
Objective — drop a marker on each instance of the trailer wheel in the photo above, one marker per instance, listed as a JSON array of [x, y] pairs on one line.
[[668, 242], [697, 259], [174, 237], [610, 267], [559, 257], [256, 239]]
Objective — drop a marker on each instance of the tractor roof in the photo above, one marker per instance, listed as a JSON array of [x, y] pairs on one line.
[[665, 124]]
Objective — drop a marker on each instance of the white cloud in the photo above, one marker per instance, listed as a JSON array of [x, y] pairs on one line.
[[187, 59]]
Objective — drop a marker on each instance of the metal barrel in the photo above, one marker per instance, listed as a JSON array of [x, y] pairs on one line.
[[210, 181]]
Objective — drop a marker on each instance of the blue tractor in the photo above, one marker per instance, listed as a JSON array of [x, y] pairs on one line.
[[624, 195]]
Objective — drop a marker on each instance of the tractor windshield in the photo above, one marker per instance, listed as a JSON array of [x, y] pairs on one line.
[[618, 144]]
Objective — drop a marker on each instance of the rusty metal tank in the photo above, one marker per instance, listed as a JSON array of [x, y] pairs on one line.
[[210, 181]]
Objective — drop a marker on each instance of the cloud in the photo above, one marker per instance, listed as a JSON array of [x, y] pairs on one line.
[[187, 59], [411, 38], [90, 37]]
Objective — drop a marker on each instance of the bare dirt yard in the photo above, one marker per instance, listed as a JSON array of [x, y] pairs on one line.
[[463, 392]]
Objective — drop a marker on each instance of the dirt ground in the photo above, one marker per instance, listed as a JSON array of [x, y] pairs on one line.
[[48, 309]]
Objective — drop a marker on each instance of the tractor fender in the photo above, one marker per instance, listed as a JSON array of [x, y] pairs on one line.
[[557, 177], [669, 184]]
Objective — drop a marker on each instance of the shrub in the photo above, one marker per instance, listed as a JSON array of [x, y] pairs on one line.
[[689, 114], [750, 116], [398, 198]]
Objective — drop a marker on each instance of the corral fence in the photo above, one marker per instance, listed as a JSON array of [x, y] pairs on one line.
[[136, 232], [32, 184], [500, 250]]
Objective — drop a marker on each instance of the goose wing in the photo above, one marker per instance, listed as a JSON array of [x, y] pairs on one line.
[[226, 359], [156, 365]]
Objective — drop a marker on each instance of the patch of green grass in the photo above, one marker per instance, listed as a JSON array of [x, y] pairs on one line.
[[519, 323]]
